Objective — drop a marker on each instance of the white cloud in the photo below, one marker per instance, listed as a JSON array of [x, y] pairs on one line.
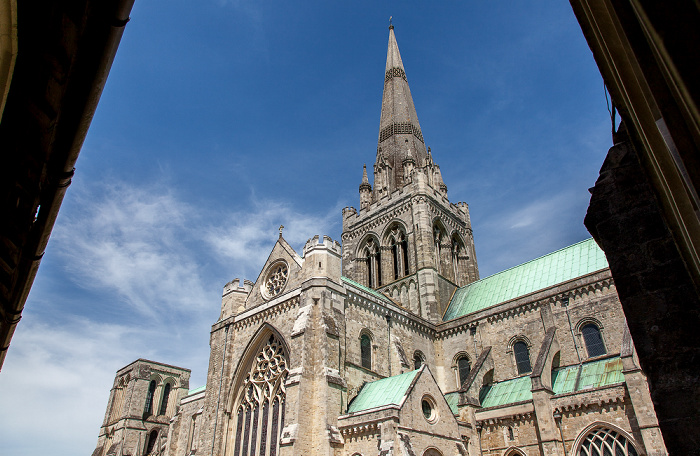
[[133, 241], [55, 384], [246, 237]]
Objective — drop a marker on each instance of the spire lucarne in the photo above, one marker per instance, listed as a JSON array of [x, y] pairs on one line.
[[400, 136]]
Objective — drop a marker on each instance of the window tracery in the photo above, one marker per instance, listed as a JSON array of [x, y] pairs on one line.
[[276, 280], [260, 413], [601, 441]]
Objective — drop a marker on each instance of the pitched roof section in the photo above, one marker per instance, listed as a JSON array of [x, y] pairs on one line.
[[365, 289], [594, 374], [508, 392], [563, 265], [380, 393]]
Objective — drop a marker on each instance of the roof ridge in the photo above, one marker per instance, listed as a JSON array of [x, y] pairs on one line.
[[529, 261]]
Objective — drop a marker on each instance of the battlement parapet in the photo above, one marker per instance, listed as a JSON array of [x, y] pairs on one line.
[[235, 286], [315, 243]]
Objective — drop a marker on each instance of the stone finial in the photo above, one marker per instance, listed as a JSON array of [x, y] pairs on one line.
[[281, 228]]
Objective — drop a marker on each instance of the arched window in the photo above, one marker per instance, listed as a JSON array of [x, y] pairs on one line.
[[366, 351], [373, 264], [593, 340], [463, 369], [417, 360], [601, 441], [522, 357], [164, 400], [399, 252], [148, 409], [438, 239], [259, 414], [457, 253], [151, 442]]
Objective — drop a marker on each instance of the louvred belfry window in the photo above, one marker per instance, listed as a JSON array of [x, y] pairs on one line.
[[260, 412]]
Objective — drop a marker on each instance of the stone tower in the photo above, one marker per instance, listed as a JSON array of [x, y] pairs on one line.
[[142, 402], [407, 240]]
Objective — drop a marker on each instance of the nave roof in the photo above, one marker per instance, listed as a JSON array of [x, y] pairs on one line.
[[566, 264]]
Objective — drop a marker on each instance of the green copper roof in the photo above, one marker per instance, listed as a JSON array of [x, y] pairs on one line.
[[379, 393], [452, 400], [594, 374], [364, 288], [197, 390], [508, 392], [566, 264]]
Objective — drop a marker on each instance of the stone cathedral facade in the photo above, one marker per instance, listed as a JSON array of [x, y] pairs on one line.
[[391, 344]]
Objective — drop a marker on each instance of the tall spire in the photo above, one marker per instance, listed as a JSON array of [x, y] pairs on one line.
[[399, 121]]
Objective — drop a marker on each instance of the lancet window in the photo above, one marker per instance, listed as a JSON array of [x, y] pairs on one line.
[[399, 252], [164, 400], [522, 357], [457, 252], [439, 240], [593, 340], [151, 442], [259, 417], [373, 264], [148, 408]]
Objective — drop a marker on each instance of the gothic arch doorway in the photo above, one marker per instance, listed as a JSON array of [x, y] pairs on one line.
[[257, 402]]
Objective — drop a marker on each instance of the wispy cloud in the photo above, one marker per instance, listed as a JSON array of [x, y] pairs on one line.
[[246, 238], [57, 380], [527, 232], [134, 241], [152, 267]]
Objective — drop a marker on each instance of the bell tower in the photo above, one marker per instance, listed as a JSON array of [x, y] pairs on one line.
[[407, 240]]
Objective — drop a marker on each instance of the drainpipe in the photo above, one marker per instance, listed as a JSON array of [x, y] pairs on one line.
[[565, 303], [218, 399], [557, 419]]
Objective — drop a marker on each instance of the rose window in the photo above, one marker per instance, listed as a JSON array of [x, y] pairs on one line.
[[276, 280]]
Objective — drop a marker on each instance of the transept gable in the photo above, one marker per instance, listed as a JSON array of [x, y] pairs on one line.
[[280, 274]]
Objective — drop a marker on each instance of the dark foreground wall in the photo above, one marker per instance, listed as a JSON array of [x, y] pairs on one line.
[[656, 292]]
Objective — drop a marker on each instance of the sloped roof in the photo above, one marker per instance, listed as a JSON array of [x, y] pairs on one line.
[[563, 265], [452, 401], [365, 289], [387, 391], [196, 390], [594, 374], [508, 392]]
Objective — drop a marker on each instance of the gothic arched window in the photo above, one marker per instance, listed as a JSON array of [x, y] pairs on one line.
[[601, 441], [399, 252], [593, 340], [418, 359], [373, 269], [148, 409], [457, 252], [259, 415], [151, 442], [164, 400], [463, 369], [522, 357], [366, 351]]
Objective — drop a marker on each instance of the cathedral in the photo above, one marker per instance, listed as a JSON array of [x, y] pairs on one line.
[[389, 342]]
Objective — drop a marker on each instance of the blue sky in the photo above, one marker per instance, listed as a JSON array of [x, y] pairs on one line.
[[221, 120]]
